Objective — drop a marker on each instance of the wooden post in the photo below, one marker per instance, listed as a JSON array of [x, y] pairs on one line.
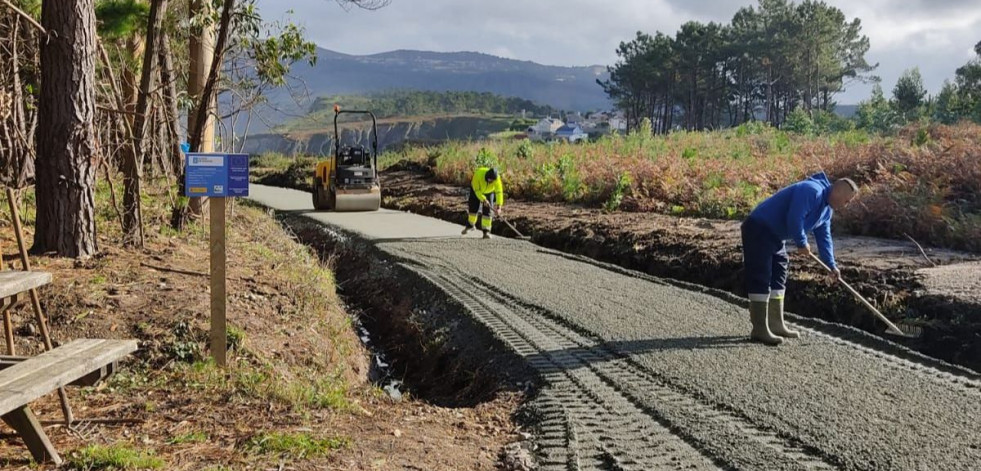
[[35, 300], [218, 332]]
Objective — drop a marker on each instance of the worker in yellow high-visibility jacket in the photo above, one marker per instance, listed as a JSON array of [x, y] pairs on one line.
[[486, 195]]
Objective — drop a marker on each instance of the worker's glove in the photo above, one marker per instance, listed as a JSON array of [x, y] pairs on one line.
[[805, 251], [835, 275]]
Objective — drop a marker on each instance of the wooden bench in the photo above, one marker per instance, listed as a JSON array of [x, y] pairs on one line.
[[24, 380], [14, 288]]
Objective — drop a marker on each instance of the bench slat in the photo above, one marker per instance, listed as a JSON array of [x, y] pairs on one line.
[[33, 378], [23, 369], [65, 358], [16, 281]]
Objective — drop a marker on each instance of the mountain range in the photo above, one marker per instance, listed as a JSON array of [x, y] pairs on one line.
[[335, 73]]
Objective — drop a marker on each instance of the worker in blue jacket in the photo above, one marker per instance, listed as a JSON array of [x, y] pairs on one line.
[[791, 213]]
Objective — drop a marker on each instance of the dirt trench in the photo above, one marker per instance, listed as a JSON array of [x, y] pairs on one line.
[[440, 355]]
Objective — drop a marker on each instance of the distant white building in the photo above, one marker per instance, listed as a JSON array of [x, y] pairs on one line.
[[548, 125], [595, 120], [544, 129], [571, 133], [618, 122], [574, 119]]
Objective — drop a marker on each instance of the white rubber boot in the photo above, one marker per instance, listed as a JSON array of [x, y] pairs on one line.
[[775, 319], [466, 230], [487, 235], [761, 333]]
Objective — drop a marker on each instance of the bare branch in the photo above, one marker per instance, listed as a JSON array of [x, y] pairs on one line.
[[363, 4], [27, 17], [923, 252]]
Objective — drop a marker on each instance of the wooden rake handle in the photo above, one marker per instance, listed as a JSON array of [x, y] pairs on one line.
[[891, 328]]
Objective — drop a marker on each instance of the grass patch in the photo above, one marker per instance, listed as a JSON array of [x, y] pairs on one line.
[[113, 457], [270, 160], [294, 445], [190, 437], [286, 172], [244, 380], [235, 337]]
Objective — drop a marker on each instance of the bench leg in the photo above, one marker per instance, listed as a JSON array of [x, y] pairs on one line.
[[29, 428], [8, 330]]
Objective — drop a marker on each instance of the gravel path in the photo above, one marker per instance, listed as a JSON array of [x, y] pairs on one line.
[[642, 374], [961, 281]]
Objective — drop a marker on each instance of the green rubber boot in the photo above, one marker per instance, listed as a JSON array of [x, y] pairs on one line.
[[761, 333], [775, 319]]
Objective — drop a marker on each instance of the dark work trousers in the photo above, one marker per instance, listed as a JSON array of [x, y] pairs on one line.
[[765, 260], [475, 208]]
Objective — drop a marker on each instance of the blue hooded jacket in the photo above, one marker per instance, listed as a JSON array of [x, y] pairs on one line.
[[798, 209]]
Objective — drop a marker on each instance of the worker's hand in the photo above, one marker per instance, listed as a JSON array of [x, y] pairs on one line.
[[835, 275], [805, 251], [497, 211]]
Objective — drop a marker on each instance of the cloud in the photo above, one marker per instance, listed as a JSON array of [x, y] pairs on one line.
[[929, 33]]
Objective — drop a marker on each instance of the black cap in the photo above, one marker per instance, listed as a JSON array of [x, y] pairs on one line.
[[491, 175]]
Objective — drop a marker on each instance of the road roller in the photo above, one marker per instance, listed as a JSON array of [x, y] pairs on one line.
[[348, 180]]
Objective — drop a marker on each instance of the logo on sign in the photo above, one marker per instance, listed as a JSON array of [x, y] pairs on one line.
[[206, 161]]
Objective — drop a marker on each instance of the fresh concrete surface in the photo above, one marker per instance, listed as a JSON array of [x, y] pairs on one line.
[[381, 224], [641, 374]]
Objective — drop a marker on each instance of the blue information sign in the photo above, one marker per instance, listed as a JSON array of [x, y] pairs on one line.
[[216, 175]]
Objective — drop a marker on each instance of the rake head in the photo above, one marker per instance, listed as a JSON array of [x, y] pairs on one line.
[[905, 330]]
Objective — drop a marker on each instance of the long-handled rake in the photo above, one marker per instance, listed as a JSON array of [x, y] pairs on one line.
[[516, 231], [908, 331], [520, 236]]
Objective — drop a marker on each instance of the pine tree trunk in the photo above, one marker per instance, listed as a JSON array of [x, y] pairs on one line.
[[66, 135]]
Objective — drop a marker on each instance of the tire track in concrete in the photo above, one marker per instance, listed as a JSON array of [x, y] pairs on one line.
[[607, 378], [770, 441], [704, 423], [588, 423]]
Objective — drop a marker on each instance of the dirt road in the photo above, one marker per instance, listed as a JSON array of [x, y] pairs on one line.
[[641, 373]]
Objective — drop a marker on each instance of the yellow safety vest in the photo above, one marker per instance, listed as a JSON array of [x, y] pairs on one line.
[[481, 187]]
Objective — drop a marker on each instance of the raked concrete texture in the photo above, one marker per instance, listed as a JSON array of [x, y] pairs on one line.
[[644, 374]]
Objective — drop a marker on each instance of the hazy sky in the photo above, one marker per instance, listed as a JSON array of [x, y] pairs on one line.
[[936, 35]]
